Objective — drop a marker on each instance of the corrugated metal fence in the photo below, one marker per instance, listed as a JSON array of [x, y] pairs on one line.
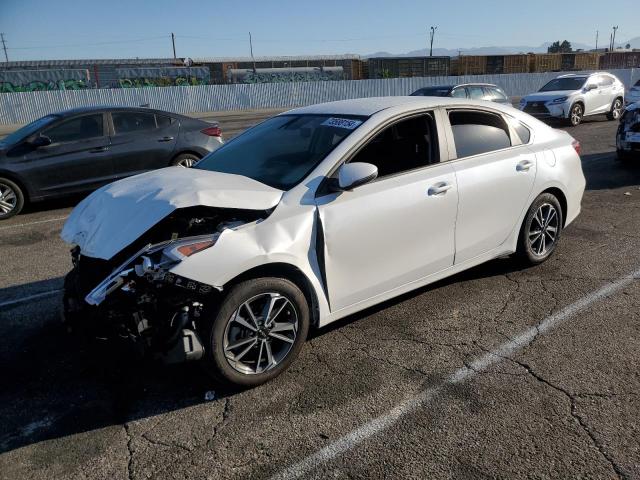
[[18, 108]]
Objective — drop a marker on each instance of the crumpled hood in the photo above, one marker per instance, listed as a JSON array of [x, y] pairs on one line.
[[117, 214], [547, 96]]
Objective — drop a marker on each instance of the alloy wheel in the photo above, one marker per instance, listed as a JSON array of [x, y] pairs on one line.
[[616, 112], [186, 162], [576, 114], [543, 231], [8, 200], [260, 333]]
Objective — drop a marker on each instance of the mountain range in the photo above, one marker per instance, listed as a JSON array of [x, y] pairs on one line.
[[446, 52]]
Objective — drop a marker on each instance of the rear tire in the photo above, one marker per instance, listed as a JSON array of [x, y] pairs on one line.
[[11, 199], [616, 110], [186, 160], [244, 349], [541, 230]]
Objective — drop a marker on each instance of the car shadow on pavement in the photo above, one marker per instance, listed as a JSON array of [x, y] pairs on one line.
[[604, 171], [54, 385]]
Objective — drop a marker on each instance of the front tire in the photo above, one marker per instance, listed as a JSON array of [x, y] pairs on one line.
[[576, 114], [541, 229], [11, 199], [616, 110], [256, 332]]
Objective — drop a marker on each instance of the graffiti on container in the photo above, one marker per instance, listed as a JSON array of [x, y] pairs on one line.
[[289, 76], [141, 82], [39, 86]]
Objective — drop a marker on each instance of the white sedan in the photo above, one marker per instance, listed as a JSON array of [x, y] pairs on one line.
[[313, 215]]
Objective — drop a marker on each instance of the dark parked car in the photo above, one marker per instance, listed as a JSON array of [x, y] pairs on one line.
[[628, 134], [82, 149], [475, 91]]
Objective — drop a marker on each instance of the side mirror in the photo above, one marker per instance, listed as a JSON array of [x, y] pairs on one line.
[[591, 86], [352, 175], [41, 141]]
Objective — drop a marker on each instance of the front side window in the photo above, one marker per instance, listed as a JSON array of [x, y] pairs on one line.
[[477, 132], [476, 93], [283, 150], [128, 122], [564, 84], [76, 129], [605, 81], [29, 129], [403, 146]]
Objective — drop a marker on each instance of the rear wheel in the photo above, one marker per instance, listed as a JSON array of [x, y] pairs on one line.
[[616, 110], [576, 114], [186, 160], [541, 229], [11, 199], [256, 332]]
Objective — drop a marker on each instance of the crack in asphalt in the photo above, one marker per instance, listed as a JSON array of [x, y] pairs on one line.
[[621, 474], [165, 444], [129, 451]]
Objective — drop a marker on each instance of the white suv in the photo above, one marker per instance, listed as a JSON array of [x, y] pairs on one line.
[[574, 96]]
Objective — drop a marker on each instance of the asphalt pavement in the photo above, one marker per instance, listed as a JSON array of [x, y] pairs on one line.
[[499, 372]]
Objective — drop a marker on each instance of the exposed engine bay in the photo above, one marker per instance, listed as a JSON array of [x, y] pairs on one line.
[[134, 297]]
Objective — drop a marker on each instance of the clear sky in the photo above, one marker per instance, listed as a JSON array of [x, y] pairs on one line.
[[50, 29]]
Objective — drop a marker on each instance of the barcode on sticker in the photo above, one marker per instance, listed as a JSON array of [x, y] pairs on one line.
[[341, 123]]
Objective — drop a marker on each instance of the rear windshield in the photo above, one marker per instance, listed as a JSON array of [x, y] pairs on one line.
[[574, 83], [283, 150], [432, 92]]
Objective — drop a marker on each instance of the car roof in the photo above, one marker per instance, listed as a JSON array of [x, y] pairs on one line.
[[454, 85], [109, 108], [369, 106]]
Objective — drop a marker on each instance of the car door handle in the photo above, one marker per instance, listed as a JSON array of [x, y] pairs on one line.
[[524, 166], [165, 139], [98, 149], [438, 189]]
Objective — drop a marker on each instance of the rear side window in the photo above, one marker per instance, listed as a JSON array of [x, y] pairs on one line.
[[476, 132], [127, 122], [79, 128], [521, 130], [496, 93]]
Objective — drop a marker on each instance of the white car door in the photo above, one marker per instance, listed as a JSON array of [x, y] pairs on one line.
[[396, 229], [495, 174]]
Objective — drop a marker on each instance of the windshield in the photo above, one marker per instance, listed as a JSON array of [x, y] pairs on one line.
[[432, 92], [283, 150], [572, 83], [28, 129]]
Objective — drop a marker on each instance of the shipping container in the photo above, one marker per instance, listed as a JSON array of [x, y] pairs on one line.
[[402, 67], [545, 62], [620, 60], [472, 65], [516, 63], [587, 61]]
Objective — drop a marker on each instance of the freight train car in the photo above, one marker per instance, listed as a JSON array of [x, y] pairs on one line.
[[403, 67], [620, 60]]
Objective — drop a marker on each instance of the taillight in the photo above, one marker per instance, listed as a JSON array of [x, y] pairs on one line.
[[576, 146], [215, 131]]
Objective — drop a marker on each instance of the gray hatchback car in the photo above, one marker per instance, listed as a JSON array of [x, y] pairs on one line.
[[474, 91], [82, 149]]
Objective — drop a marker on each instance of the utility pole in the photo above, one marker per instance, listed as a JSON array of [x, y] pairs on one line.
[[4, 46], [613, 42], [251, 50], [432, 34], [173, 42], [610, 41], [597, 32]]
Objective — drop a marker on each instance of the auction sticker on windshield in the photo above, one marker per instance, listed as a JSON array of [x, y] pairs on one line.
[[342, 123]]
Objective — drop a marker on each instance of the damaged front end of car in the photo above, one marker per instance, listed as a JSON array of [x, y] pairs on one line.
[[135, 298], [628, 134]]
